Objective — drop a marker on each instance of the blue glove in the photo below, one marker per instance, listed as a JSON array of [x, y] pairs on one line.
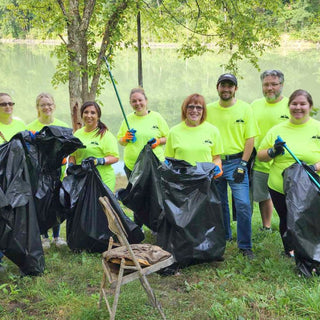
[[217, 172], [239, 173], [278, 148], [134, 138], [154, 142], [33, 134]]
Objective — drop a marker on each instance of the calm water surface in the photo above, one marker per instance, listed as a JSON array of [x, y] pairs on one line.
[[27, 70]]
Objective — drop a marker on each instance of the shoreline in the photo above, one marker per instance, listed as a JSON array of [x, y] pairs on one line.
[[285, 43]]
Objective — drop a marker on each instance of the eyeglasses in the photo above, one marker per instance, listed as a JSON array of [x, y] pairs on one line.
[[46, 105], [273, 85], [4, 104], [198, 108]]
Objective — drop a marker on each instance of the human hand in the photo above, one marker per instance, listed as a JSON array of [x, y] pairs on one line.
[[154, 142], [217, 171], [278, 149], [240, 171], [130, 135]]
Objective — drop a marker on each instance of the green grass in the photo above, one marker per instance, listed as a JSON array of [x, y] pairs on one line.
[[267, 287]]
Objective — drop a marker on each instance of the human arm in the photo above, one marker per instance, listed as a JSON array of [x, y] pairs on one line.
[[266, 155], [218, 168]]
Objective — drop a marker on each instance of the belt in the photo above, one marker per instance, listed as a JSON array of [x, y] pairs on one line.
[[232, 156]]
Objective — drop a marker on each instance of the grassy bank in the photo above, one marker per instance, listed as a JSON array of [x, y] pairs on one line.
[[267, 287]]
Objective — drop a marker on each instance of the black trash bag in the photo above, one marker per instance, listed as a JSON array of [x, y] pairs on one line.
[[87, 224], [303, 218], [19, 231], [191, 226], [49, 147], [143, 192]]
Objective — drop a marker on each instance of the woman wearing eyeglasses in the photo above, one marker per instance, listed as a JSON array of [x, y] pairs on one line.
[[194, 139], [45, 107], [9, 125]]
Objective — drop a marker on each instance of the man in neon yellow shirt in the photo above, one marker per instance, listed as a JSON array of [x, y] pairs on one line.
[[235, 121], [268, 111]]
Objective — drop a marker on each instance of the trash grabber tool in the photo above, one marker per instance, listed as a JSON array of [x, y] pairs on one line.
[[115, 89], [298, 161]]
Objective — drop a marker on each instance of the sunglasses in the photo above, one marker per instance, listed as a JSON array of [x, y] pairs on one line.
[[4, 104], [198, 108]]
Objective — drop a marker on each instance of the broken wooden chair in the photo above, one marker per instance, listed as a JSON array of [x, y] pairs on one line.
[[126, 263]]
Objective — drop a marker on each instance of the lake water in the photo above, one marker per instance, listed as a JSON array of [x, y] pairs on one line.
[[26, 70]]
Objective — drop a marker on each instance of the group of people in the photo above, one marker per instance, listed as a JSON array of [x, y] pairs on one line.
[[224, 132]]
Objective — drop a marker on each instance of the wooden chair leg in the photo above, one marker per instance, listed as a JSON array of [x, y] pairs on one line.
[[152, 297], [117, 290], [103, 283]]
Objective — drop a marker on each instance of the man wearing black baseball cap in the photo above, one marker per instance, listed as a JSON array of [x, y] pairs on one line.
[[237, 126]]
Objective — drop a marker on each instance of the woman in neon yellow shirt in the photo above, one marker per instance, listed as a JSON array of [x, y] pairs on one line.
[[99, 141], [194, 139], [45, 107], [148, 125], [300, 133]]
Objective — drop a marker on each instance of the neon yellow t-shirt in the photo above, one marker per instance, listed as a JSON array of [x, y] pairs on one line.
[[98, 147], [236, 124], [36, 125], [9, 130], [194, 144], [268, 115], [150, 126], [303, 140]]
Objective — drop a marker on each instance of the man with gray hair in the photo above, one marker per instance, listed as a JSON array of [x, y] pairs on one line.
[[268, 111]]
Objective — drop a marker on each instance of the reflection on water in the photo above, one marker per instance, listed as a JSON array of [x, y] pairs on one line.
[[27, 70]]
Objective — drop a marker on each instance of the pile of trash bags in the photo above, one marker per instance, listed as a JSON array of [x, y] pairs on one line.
[[180, 203], [29, 189], [303, 218], [33, 198]]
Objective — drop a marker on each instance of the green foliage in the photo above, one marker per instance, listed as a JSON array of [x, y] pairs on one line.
[[267, 287]]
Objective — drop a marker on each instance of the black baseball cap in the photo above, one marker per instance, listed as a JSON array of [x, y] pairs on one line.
[[228, 77]]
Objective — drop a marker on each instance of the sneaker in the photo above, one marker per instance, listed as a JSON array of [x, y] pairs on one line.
[[247, 253], [45, 243], [266, 229], [59, 242]]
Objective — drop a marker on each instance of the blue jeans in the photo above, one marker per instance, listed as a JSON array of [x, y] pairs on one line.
[[55, 232], [240, 192], [1, 255]]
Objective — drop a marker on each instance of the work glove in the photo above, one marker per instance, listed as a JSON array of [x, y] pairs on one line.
[[68, 171], [154, 142], [278, 149], [217, 171], [130, 135], [33, 134], [240, 171], [92, 161]]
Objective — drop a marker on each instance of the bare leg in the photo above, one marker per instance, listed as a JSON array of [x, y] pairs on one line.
[[266, 208]]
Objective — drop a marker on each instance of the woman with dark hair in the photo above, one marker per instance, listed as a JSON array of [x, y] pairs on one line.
[[148, 125], [101, 145], [300, 133], [194, 139]]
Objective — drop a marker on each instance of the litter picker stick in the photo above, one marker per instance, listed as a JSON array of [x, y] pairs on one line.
[[115, 89], [298, 161]]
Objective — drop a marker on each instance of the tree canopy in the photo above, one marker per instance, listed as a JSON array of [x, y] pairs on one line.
[[88, 29]]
